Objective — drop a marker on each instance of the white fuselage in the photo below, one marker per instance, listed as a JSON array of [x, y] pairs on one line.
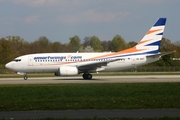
[[50, 62]]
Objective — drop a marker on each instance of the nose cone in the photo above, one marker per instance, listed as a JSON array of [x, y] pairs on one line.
[[8, 66]]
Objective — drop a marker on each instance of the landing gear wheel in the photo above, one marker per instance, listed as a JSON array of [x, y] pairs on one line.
[[25, 77], [84, 76], [87, 76]]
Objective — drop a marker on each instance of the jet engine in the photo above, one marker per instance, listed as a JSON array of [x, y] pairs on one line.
[[66, 71]]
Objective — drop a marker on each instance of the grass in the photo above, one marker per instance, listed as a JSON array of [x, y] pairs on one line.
[[89, 96]]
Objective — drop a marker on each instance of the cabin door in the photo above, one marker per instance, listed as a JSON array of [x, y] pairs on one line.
[[30, 61], [133, 61]]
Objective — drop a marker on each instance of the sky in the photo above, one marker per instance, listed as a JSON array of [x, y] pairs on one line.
[[59, 20]]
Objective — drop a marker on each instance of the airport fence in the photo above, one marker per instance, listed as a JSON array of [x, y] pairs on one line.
[[138, 69]]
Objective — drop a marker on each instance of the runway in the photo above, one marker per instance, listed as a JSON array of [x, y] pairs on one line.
[[96, 79], [80, 114]]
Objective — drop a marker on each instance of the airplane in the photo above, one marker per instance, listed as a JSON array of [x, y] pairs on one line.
[[71, 64]]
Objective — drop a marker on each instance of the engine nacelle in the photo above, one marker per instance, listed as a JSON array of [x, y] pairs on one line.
[[66, 71]]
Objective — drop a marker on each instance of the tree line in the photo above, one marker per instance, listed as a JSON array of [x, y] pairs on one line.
[[14, 46]]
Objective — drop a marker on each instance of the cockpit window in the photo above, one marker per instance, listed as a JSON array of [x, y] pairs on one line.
[[17, 60]]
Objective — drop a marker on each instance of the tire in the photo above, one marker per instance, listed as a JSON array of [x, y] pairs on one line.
[[89, 76], [25, 77]]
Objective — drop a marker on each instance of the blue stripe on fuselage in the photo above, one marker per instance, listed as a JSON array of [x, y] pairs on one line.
[[150, 52]]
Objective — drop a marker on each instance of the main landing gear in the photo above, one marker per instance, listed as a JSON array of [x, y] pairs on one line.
[[87, 76]]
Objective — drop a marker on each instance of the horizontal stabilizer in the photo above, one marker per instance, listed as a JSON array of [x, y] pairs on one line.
[[167, 53], [161, 54]]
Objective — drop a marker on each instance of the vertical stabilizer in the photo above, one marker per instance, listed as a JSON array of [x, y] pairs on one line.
[[150, 43]]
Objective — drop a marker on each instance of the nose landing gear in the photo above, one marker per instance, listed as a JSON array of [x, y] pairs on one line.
[[25, 77], [24, 74]]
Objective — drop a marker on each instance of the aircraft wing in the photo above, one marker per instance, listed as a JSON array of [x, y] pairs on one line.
[[94, 65]]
